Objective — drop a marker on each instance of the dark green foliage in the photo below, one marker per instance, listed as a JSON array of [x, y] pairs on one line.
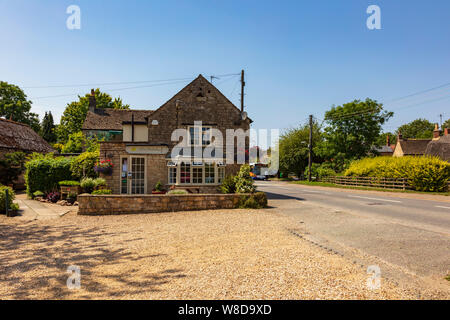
[[11, 166], [417, 129], [77, 142], [44, 173], [48, 128], [38, 194], [15, 106], [228, 184], [256, 200], [158, 186], [103, 191], [320, 170], [83, 165], [11, 197], [351, 132]]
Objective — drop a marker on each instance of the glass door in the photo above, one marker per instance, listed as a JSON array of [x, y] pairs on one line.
[[137, 175]]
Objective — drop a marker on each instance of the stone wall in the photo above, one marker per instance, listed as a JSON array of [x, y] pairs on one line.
[[130, 204]]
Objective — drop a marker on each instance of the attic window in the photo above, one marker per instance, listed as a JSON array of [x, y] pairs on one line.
[[200, 95]]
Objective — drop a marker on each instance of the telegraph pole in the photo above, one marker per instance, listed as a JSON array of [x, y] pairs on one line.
[[242, 90], [310, 146]]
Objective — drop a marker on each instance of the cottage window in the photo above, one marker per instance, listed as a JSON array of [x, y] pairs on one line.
[[209, 173], [172, 175], [195, 136], [195, 173], [220, 174], [185, 172]]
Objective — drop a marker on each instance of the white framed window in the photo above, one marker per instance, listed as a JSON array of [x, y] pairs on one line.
[[185, 173], [209, 173], [173, 175], [220, 174], [197, 175], [200, 139]]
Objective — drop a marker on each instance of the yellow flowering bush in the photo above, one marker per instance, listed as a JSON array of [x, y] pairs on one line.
[[424, 173]]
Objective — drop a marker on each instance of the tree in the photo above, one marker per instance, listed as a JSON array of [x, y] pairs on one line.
[[78, 143], [417, 129], [48, 128], [446, 124], [15, 106], [76, 111], [382, 139], [352, 130], [293, 149], [11, 166]]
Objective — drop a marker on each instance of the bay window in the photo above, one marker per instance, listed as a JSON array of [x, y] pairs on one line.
[[195, 173]]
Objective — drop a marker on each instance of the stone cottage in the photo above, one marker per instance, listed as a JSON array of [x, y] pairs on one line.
[[141, 146]]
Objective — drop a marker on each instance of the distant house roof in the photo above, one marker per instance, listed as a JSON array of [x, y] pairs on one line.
[[440, 148], [112, 119], [414, 147], [385, 149], [19, 136]]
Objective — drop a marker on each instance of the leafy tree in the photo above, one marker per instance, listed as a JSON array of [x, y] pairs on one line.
[[48, 128], [352, 129], [382, 139], [78, 142], [417, 129], [15, 106], [293, 149], [446, 124], [76, 111]]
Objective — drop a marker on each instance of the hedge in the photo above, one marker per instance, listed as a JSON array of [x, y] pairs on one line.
[[424, 173], [11, 197], [44, 173]]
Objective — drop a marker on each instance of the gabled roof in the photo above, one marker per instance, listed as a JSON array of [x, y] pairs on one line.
[[112, 119], [414, 147], [20, 137], [440, 148]]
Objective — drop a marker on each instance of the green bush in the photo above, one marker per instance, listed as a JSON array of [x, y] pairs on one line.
[[83, 165], [88, 185], [69, 183], [177, 192], [256, 200], [228, 184], [11, 197], [424, 173], [320, 170], [158, 186], [244, 182], [103, 191], [44, 173], [11, 166], [38, 194], [77, 141], [100, 182]]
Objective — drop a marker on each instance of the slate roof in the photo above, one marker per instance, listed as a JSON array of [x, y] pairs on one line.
[[112, 119], [19, 136], [414, 147], [440, 148]]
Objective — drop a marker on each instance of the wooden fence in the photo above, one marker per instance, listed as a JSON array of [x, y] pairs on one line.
[[384, 183]]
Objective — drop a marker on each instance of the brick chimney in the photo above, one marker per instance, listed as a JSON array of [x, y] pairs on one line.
[[446, 132], [436, 132], [400, 136], [92, 101], [388, 140]]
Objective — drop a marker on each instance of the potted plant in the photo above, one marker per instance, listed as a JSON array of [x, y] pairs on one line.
[[88, 185], [100, 184], [68, 186], [104, 166], [158, 188]]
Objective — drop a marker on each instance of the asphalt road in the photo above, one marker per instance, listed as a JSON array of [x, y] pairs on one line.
[[410, 236]]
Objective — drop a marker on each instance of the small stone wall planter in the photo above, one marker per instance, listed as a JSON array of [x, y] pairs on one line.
[[137, 204]]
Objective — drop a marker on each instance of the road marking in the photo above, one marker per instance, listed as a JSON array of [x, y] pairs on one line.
[[378, 199], [442, 207]]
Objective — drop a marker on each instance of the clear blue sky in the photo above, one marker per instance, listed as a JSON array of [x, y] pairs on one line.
[[301, 57]]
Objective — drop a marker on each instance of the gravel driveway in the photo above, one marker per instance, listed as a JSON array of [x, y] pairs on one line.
[[225, 254]]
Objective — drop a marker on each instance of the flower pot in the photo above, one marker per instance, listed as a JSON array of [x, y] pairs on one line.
[[106, 171], [158, 192]]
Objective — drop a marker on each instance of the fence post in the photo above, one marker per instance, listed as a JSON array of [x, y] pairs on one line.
[[7, 202]]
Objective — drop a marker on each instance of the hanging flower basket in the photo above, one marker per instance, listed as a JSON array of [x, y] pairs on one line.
[[104, 167]]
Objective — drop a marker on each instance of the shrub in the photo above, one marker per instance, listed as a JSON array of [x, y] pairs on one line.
[[54, 196], [69, 183], [228, 184], [100, 182], [320, 170], [244, 182], [424, 173], [77, 141], [15, 207], [11, 197], [44, 172], [103, 191], [38, 194], [11, 166], [83, 165], [256, 200], [88, 185], [177, 192], [158, 186]]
